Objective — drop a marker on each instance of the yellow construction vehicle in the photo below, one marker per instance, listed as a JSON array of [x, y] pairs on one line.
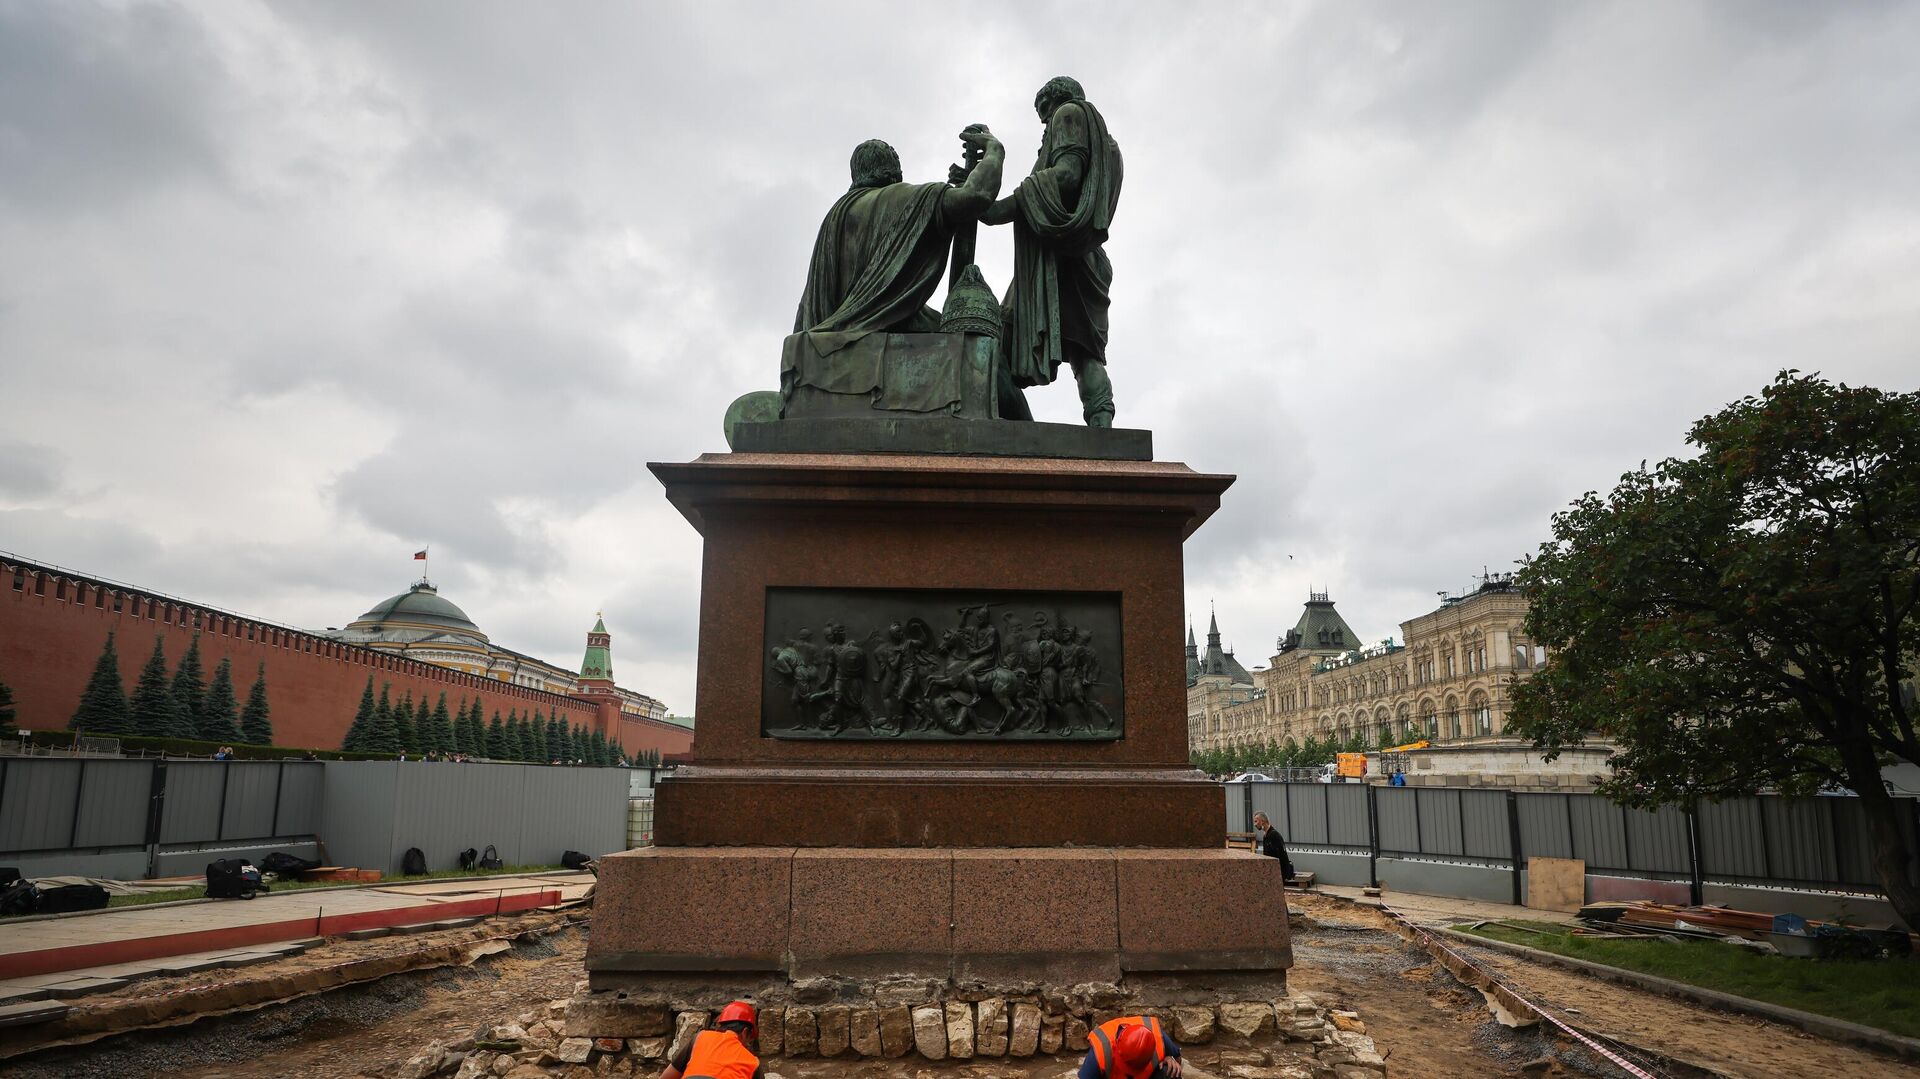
[[1421, 744], [1350, 765]]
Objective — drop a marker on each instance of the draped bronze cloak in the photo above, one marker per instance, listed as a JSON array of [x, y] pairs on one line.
[[1056, 307], [880, 254]]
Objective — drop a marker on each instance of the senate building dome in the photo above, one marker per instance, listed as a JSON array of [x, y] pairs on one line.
[[416, 617]]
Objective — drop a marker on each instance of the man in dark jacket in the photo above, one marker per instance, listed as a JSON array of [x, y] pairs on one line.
[[1271, 843]]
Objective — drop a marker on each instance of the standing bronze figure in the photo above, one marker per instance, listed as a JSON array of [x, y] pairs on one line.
[[1056, 307]]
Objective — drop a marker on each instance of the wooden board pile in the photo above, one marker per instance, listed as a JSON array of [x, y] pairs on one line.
[[1789, 934]]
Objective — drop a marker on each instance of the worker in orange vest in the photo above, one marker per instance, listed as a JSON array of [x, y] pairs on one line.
[[723, 1052], [1131, 1047]]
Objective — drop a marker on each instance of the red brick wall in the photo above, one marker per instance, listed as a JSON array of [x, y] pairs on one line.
[[53, 626]]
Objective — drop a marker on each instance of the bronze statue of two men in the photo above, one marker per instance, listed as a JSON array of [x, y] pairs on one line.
[[884, 245]]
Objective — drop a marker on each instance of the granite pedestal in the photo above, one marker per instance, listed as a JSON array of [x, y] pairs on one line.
[[1056, 861]]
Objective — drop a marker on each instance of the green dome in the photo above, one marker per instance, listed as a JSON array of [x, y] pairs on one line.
[[418, 607]]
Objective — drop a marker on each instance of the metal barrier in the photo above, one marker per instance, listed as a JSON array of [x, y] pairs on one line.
[[1763, 840]]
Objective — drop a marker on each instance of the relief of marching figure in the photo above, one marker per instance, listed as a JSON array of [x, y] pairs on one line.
[[1041, 678]]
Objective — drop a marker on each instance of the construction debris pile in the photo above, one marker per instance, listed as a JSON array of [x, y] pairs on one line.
[[1783, 934], [1294, 1037]]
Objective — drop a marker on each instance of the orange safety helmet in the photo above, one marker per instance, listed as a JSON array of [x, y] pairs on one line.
[[1135, 1052], [739, 1012]]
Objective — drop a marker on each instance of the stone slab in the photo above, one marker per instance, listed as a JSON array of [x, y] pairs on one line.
[[861, 912], [661, 908], [1062, 928], [27, 1012], [1238, 923], [83, 987], [944, 436], [1060, 916], [175, 968], [854, 807], [21, 994], [368, 934]]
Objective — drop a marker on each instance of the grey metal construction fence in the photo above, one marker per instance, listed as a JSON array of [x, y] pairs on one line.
[[127, 819], [1818, 843]]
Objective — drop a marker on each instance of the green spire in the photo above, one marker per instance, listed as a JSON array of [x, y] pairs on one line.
[[598, 662]]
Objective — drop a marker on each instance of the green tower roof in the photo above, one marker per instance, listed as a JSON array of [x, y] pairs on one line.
[[598, 662]]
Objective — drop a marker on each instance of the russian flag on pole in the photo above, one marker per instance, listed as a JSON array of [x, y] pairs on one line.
[[420, 555]]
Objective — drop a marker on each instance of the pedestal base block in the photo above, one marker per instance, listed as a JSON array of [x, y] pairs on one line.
[[1058, 917]]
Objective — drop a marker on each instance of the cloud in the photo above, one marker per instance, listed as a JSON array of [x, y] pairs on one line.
[[287, 291]]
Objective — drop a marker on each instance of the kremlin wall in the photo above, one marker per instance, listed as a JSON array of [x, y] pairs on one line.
[[53, 624]]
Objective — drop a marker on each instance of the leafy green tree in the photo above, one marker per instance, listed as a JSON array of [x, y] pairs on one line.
[[103, 706], [362, 728], [1747, 618], [152, 710], [497, 738], [256, 719], [219, 707], [190, 689]]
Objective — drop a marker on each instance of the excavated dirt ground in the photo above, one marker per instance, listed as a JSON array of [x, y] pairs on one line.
[[1669, 1037], [1426, 1024]]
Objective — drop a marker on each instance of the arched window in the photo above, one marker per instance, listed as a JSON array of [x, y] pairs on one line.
[[1482, 712]]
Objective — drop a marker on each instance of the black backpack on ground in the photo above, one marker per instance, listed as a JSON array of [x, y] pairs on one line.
[[573, 859], [233, 878], [413, 863], [490, 859], [19, 897], [71, 897], [286, 866]]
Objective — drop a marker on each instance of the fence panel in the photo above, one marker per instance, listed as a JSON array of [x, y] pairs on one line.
[[1347, 826], [191, 812], [112, 810], [301, 784], [1732, 842], [1853, 851], [1307, 812], [1546, 831], [37, 802], [1657, 840], [1271, 799], [1599, 833], [248, 805], [1800, 840], [1395, 814], [1483, 816], [1440, 825]]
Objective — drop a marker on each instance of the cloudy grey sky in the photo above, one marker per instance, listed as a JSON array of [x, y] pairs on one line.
[[288, 291]]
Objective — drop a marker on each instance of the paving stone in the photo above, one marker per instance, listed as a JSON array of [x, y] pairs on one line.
[[177, 967], [25, 1012], [20, 994], [367, 934], [245, 959], [80, 987]]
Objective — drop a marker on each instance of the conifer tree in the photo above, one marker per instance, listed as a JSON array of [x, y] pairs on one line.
[[356, 739], [406, 738], [190, 690], [457, 729], [151, 710], [519, 747], [536, 736], [103, 707], [256, 719], [497, 738], [7, 728], [441, 728], [218, 707], [619, 754], [476, 740], [555, 748], [384, 735], [602, 752]]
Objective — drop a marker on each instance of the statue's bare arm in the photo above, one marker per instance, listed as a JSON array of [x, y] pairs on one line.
[[975, 195]]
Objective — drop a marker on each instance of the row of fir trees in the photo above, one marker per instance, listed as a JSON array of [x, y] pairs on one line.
[[1312, 753], [383, 726], [187, 705]]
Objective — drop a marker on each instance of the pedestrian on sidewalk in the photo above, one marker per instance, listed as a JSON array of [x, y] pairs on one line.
[[1271, 843]]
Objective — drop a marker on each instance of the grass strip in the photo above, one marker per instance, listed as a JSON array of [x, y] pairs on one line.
[[1877, 993]]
